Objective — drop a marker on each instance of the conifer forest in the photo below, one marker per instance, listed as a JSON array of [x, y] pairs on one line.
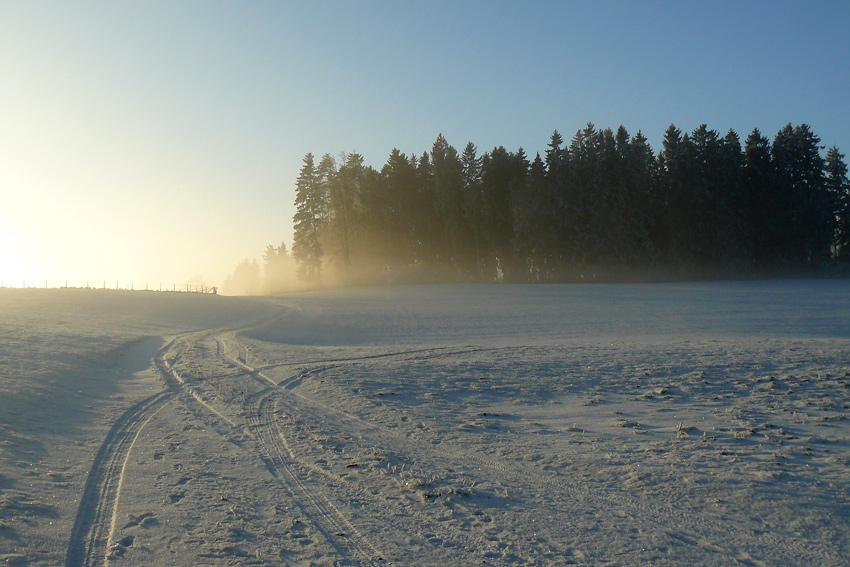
[[602, 207]]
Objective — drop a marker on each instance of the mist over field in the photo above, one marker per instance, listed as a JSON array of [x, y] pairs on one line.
[[603, 207], [665, 424]]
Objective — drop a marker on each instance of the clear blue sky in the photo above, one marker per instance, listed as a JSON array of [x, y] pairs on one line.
[[160, 141]]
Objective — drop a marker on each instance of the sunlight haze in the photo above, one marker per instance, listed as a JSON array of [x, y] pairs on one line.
[[152, 143]]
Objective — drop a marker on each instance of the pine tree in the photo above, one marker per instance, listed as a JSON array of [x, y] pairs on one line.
[[399, 176], [448, 206], [838, 187], [682, 212], [532, 225], [732, 204], [760, 235], [642, 174], [799, 168], [310, 212], [343, 206], [429, 238], [277, 268], [471, 165], [502, 173], [558, 190], [245, 279]]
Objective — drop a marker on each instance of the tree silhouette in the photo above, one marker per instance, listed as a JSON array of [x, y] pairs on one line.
[[603, 206], [310, 213]]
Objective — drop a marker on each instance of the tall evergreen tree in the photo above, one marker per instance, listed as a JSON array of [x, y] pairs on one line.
[[428, 242], [471, 165], [838, 188], [402, 220], [583, 154], [683, 205], [642, 176], [309, 216], [277, 268], [503, 173], [799, 167], [761, 232], [343, 204], [731, 201], [450, 223], [531, 211], [558, 189]]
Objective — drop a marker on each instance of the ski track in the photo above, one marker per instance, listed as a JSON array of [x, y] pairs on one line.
[[347, 539], [734, 542], [95, 520], [94, 527], [283, 457], [93, 530]]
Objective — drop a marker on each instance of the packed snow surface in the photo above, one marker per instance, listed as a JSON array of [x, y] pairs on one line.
[[668, 424]]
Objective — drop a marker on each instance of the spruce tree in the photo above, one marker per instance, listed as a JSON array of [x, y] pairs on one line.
[[402, 223], [473, 207], [642, 172], [344, 204], [310, 210], [448, 205], [838, 188], [800, 183]]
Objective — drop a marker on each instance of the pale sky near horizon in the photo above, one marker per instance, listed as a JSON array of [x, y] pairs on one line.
[[159, 142]]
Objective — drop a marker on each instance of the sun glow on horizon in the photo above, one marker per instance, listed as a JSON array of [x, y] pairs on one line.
[[144, 144], [58, 235]]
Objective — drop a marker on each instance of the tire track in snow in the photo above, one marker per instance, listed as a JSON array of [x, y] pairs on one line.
[[437, 352], [408, 524], [478, 541], [91, 537], [348, 540], [273, 438], [94, 524], [730, 540]]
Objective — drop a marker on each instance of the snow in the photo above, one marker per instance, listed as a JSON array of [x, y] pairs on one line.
[[668, 424]]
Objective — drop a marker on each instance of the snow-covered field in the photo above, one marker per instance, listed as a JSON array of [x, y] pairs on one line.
[[674, 424]]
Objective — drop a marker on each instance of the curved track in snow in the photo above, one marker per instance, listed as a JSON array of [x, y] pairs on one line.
[[336, 488], [91, 536]]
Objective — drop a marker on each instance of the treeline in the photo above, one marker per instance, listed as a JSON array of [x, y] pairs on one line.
[[604, 206], [277, 274]]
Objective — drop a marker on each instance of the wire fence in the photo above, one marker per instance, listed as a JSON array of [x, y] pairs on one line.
[[110, 285]]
